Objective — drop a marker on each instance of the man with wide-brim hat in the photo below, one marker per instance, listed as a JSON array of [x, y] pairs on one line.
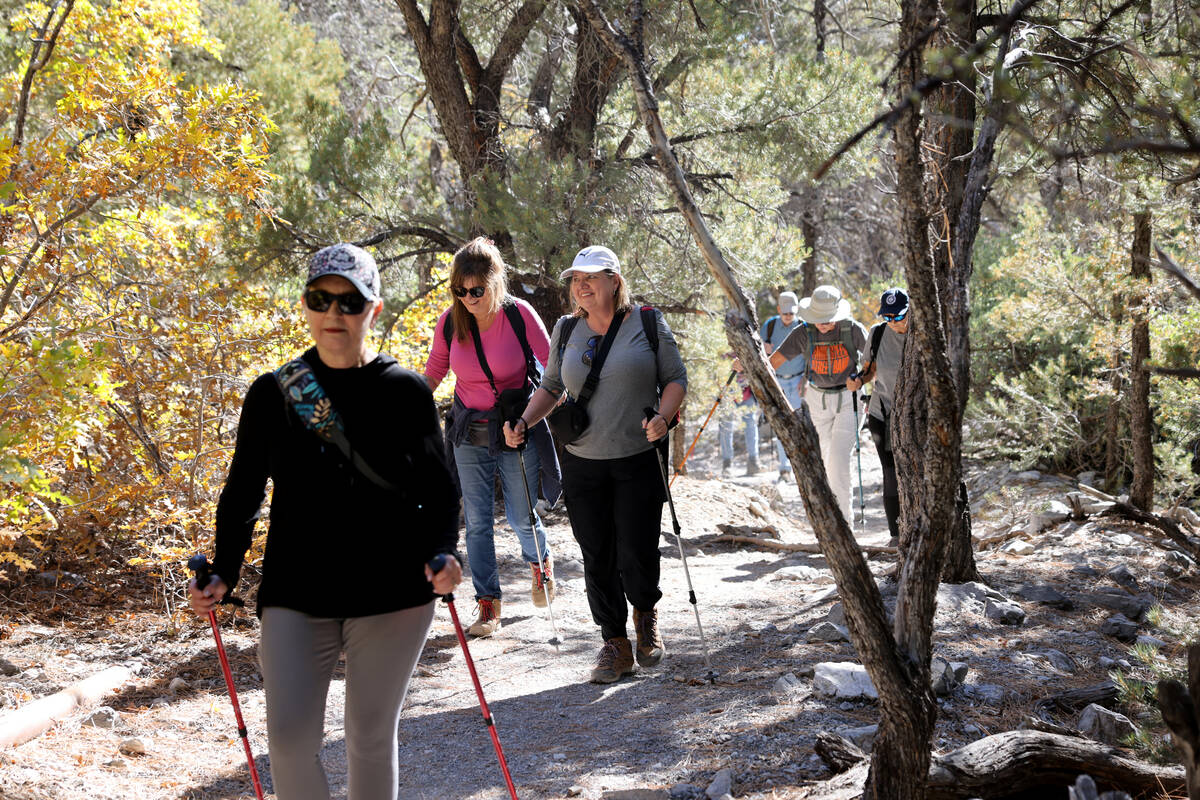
[[832, 343]]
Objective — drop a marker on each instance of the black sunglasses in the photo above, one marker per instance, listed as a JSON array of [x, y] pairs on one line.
[[590, 353], [475, 291], [350, 303], [895, 317]]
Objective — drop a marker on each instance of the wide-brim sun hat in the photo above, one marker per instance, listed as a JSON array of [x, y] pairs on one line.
[[350, 262], [826, 304], [593, 258]]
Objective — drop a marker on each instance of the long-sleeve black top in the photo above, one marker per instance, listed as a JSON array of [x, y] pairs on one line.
[[338, 545]]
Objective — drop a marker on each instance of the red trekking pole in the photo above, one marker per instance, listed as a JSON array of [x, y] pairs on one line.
[[436, 564], [199, 564], [711, 411]]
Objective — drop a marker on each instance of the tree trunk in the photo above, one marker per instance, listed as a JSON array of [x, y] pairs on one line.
[[1113, 472], [1141, 491], [899, 667], [811, 231]]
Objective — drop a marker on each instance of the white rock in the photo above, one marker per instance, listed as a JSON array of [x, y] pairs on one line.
[[722, 784], [103, 717], [806, 574], [1017, 547], [789, 683], [844, 680]]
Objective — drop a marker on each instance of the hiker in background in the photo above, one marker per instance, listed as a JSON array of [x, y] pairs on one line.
[[790, 374], [612, 482], [832, 344], [486, 338], [745, 409], [884, 353], [345, 564]]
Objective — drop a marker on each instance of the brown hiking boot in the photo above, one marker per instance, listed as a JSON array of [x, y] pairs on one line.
[[542, 590], [487, 620], [650, 647], [615, 660]]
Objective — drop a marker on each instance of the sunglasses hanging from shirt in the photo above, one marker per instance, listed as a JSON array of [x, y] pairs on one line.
[[349, 303]]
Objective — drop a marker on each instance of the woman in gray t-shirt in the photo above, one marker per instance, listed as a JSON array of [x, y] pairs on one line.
[[611, 479]]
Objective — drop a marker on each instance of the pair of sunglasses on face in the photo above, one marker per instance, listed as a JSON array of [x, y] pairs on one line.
[[895, 317], [349, 303], [475, 291]]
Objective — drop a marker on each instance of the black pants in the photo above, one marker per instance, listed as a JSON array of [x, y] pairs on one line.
[[615, 508], [891, 489]]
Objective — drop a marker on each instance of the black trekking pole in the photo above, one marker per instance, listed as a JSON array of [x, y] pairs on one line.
[[199, 565], [660, 447], [436, 564], [862, 503], [533, 527], [711, 411]]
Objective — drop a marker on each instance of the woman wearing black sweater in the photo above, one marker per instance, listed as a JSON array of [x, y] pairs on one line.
[[349, 537]]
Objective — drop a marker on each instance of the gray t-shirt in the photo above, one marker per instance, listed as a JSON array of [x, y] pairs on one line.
[[829, 365], [628, 383], [887, 369]]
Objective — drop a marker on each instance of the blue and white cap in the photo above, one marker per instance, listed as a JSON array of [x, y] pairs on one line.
[[350, 262], [893, 301]]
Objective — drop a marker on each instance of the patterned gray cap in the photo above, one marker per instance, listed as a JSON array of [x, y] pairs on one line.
[[349, 261]]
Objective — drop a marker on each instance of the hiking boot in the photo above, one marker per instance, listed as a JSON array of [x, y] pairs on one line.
[[726, 467], [542, 590], [615, 660], [650, 647], [751, 467], [487, 619]]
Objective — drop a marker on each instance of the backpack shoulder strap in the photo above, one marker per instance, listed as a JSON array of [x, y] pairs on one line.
[[517, 322], [568, 327], [876, 339], [771, 328], [448, 329], [650, 327], [846, 329]]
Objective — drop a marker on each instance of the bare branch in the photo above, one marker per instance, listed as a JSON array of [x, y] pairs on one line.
[[1168, 265], [46, 41]]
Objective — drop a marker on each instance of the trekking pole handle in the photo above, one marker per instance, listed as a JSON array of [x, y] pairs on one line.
[[437, 564], [651, 414], [512, 423], [199, 565]]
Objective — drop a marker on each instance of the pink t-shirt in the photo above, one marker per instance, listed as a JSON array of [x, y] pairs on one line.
[[502, 350]]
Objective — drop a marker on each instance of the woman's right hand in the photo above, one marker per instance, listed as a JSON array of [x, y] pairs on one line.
[[515, 436], [205, 600]]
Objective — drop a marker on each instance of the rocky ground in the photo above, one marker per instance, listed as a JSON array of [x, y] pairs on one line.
[[1043, 624]]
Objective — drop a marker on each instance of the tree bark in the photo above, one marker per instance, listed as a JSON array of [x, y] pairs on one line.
[[1141, 491], [811, 231]]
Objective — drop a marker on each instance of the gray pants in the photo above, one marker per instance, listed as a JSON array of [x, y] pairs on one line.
[[298, 654]]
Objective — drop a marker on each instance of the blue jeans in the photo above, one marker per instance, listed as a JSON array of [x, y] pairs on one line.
[[477, 474], [749, 412], [791, 390]]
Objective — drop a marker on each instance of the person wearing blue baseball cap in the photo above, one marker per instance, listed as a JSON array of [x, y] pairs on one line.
[[884, 353]]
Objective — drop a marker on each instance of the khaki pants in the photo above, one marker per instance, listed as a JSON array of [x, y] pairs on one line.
[[298, 654]]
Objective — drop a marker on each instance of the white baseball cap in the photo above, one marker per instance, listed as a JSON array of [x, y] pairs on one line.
[[594, 258]]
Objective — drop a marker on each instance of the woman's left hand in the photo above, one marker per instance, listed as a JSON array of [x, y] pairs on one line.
[[448, 578], [656, 428]]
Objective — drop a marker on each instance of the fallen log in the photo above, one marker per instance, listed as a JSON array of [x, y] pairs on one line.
[[1072, 700], [784, 547], [838, 752], [1017, 762], [1168, 526], [33, 719]]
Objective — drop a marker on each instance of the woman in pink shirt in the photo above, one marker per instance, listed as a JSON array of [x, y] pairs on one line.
[[481, 306]]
